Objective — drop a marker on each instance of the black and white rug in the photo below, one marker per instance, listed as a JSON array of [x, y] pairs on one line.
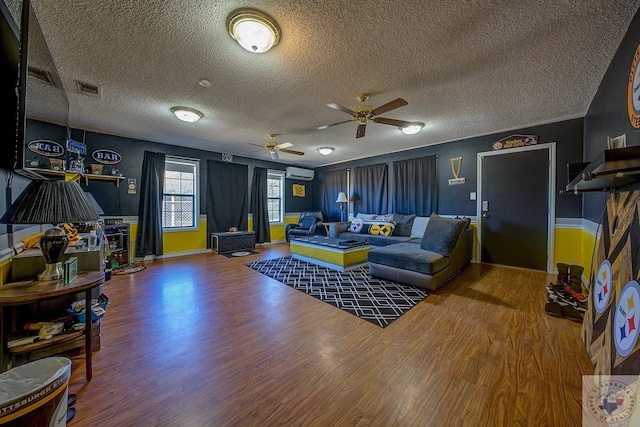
[[374, 300]]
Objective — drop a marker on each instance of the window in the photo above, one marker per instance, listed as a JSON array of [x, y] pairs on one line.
[[179, 200], [275, 196]]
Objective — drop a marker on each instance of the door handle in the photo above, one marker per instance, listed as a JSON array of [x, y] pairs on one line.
[[485, 215]]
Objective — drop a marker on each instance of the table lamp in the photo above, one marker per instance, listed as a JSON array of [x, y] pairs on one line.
[[51, 202], [342, 199]]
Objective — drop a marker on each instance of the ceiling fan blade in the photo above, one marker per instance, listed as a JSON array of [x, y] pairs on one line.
[[361, 128], [396, 103], [299, 153], [284, 145], [274, 155], [334, 124], [392, 122], [257, 145], [341, 108]]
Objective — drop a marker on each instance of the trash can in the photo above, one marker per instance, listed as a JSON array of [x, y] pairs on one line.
[[35, 394]]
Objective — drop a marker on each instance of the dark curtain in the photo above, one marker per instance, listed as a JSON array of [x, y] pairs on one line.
[[149, 232], [259, 207], [333, 182], [227, 187], [370, 193], [415, 186]]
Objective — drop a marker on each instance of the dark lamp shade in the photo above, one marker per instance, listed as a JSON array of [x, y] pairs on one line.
[[50, 202]]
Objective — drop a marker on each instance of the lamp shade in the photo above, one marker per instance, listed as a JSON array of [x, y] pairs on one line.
[[50, 202], [342, 198], [93, 203]]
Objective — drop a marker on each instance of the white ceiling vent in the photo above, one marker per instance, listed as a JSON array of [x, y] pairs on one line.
[[88, 89], [41, 75]]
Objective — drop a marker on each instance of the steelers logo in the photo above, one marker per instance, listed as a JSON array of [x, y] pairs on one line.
[[602, 287], [633, 92], [380, 229], [625, 327]]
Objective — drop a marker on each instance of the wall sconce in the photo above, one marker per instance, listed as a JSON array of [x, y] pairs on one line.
[[325, 151], [187, 114], [412, 129], [255, 31]]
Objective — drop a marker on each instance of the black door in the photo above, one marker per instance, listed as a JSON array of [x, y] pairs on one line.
[[515, 205]]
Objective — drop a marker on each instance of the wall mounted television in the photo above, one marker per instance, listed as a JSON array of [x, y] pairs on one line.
[[37, 91]]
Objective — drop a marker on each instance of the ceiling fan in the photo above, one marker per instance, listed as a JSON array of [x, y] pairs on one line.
[[364, 112], [273, 147]]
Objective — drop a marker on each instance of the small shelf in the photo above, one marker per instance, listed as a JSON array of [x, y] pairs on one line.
[[612, 170], [39, 173]]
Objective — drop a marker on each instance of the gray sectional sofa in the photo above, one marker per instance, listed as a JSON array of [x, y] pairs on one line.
[[435, 249]]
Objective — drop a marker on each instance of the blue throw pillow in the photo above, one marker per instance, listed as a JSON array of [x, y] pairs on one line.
[[442, 234]]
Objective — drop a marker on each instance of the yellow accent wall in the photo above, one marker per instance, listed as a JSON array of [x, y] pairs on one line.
[[185, 241], [574, 246]]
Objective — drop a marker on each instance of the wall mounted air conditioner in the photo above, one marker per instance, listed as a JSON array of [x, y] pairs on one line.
[[299, 173]]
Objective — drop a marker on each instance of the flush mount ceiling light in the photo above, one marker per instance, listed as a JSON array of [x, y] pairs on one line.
[[414, 128], [187, 114], [255, 31], [325, 151]]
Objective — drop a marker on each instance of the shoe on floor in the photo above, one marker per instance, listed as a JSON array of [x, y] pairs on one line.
[[554, 309], [71, 411], [572, 314]]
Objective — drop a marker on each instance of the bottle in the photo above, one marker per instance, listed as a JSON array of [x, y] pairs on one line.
[[93, 240]]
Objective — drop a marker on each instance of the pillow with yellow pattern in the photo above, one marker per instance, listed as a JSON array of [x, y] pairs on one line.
[[378, 228]]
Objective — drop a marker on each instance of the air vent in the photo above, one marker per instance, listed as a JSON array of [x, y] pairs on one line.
[[88, 89], [41, 75]]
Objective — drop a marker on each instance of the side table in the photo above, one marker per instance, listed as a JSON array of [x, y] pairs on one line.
[[32, 291], [233, 241]]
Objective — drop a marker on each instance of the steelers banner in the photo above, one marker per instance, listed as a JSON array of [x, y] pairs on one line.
[[612, 323]]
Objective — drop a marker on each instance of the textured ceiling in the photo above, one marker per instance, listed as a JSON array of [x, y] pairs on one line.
[[466, 68]]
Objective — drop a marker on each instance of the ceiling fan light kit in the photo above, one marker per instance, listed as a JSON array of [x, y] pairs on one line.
[[325, 151], [365, 112], [273, 148], [413, 128], [254, 30], [186, 114]]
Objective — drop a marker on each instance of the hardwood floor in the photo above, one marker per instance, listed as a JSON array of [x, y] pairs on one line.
[[206, 341]]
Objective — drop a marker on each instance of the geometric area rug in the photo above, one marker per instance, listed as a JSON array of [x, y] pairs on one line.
[[375, 300]]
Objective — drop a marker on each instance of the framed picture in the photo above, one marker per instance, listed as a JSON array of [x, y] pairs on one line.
[[298, 190]]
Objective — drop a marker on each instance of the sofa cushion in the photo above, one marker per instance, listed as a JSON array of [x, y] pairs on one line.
[[378, 228], [442, 234], [356, 225], [418, 227], [408, 256], [374, 240], [404, 224], [372, 227], [365, 216]]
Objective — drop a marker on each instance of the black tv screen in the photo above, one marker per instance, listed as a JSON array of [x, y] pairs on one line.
[[11, 153]]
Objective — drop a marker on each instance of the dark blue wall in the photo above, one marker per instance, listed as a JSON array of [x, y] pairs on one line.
[[607, 115], [115, 201], [454, 200]]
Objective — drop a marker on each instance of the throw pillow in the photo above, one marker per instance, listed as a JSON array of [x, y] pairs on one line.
[[378, 228], [385, 217], [365, 216], [404, 224], [442, 234], [356, 225]]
